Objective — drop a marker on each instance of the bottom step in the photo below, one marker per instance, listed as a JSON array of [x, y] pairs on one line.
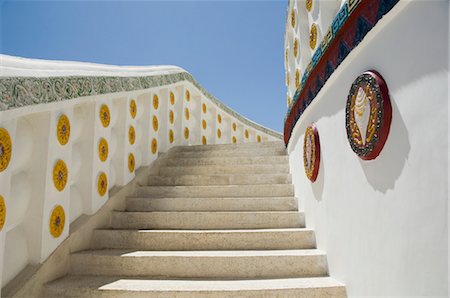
[[94, 286]]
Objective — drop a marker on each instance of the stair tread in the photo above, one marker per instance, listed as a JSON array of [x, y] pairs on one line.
[[224, 231]]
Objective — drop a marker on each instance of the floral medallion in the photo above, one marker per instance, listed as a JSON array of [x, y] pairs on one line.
[[2, 212], [258, 139], [63, 130], [368, 115], [171, 117], [172, 98], [131, 135], [309, 4], [155, 101], [5, 149], [105, 116], [296, 47], [293, 18], [246, 133], [188, 95], [171, 136], [234, 126], [311, 152], [297, 78], [186, 133], [219, 133], [57, 221], [102, 184], [234, 139], [313, 36], [204, 124], [204, 109], [154, 146], [60, 175], [131, 162], [155, 123], [103, 149], [204, 140], [219, 118], [186, 113], [133, 108]]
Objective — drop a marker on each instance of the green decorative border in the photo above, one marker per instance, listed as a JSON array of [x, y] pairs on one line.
[[16, 92]]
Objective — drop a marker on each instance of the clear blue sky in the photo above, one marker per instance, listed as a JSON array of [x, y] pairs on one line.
[[233, 48]]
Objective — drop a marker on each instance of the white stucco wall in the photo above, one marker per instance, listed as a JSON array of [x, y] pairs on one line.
[[384, 223]]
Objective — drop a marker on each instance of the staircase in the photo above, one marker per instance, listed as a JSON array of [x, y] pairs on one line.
[[218, 221]]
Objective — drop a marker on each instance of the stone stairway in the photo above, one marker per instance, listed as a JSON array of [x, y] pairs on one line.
[[218, 221]]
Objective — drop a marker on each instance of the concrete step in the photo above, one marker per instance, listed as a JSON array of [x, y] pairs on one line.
[[204, 240], [208, 220], [199, 161], [201, 264], [219, 147], [224, 169], [236, 152], [212, 204], [192, 180], [120, 287], [266, 190]]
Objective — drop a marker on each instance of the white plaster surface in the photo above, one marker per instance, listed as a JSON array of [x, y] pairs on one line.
[[384, 223]]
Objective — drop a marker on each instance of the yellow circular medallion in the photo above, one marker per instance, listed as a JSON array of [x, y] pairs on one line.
[[131, 162], [219, 118], [63, 129], [105, 116], [155, 102], [204, 108], [203, 140], [219, 133], [155, 123], [234, 140], [313, 36], [2, 212], [204, 124], [133, 108], [258, 138], [308, 5], [293, 18], [234, 126], [5, 149], [103, 149], [171, 117], [102, 184], [246, 134], [60, 174], [171, 136], [296, 47], [297, 78], [188, 95], [186, 133], [57, 221], [154, 146], [186, 113], [172, 98], [131, 135]]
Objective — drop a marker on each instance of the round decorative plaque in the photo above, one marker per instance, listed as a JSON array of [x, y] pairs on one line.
[[103, 149], [234, 126], [368, 115], [308, 4], [60, 174], [155, 102], [171, 136], [57, 221], [131, 135], [204, 124], [188, 95], [133, 108], [204, 108], [204, 140], [131, 162], [2, 212], [5, 149], [105, 116], [313, 36], [258, 138], [246, 134], [155, 123], [171, 117], [295, 47], [172, 98], [186, 113], [293, 18], [186, 133], [311, 152], [219, 118], [219, 133], [234, 140], [63, 130], [102, 184], [154, 146]]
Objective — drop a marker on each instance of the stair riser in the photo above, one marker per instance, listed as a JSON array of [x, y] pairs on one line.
[[244, 146], [177, 240], [228, 153], [207, 220], [200, 267], [227, 161], [278, 190], [194, 180], [212, 204], [220, 170]]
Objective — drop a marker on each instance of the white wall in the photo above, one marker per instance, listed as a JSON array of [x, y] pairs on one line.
[[383, 223]]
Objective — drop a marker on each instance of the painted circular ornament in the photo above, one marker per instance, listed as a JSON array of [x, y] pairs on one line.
[[297, 78], [188, 95], [204, 124], [57, 221], [154, 146], [368, 115], [204, 108], [171, 117], [2, 212], [313, 36], [204, 140], [172, 98], [103, 149], [234, 126], [63, 130], [246, 134], [293, 18], [186, 133], [131, 162], [5, 149], [133, 108], [311, 152], [295, 47], [102, 184], [155, 102], [60, 174], [309, 4], [131, 135], [219, 118], [105, 116], [171, 136], [258, 139], [186, 113], [234, 140], [219, 133], [155, 123]]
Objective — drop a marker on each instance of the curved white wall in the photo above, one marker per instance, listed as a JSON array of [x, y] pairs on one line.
[[384, 223]]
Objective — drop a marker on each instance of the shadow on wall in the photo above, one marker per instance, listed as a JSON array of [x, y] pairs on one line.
[[393, 156], [317, 186]]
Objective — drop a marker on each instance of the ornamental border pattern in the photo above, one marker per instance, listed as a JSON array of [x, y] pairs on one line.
[[352, 23], [16, 92]]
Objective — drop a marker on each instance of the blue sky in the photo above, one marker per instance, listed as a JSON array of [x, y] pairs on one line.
[[233, 48]]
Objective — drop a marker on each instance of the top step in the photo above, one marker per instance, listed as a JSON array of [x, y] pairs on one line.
[[274, 145]]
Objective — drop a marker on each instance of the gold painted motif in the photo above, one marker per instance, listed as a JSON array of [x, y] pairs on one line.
[[204, 124], [188, 95], [103, 149], [219, 118], [219, 133], [102, 184], [204, 108], [171, 136], [258, 138], [309, 152], [133, 108], [172, 98], [155, 123], [131, 162], [313, 36], [363, 115], [154, 146], [293, 18], [60, 174], [246, 134], [186, 133], [155, 101], [203, 140], [131, 135], [296, 47], [171, 117], [234, 126], [186, 113], [297, 78], [5, 149], [57, 221], [63, 130], [2, 213], [309, 4], [234, 140], [105, 116]]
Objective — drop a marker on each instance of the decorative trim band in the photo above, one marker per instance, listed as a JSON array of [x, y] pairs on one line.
[[352, 23], [16, 92]]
